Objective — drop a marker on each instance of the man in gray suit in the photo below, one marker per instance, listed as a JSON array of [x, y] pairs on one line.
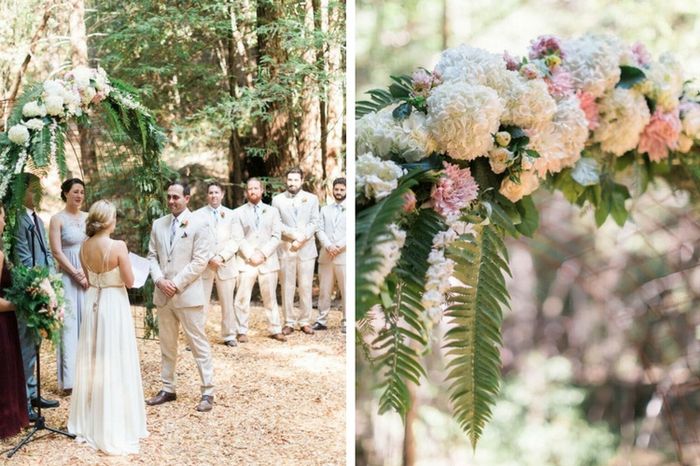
[[179, 253], [31, 249]]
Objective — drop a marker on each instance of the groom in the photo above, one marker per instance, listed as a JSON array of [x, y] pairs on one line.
[[179, 252], [31, 249]]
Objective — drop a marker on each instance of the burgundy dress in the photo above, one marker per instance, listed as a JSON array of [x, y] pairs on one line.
[[13, 392]]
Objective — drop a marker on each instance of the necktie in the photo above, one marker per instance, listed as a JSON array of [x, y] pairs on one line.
[[35, 218], [173, 228], [336, 221], [216, 215], [256, 209]]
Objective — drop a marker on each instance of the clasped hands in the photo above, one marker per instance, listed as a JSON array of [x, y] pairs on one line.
[[167, 287], [79, 276], [257, 258], [333, 251]]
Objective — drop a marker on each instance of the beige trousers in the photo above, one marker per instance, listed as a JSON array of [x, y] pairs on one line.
[[224, 290], [268, 289], [293, 272], [328, 275], [192, 320]]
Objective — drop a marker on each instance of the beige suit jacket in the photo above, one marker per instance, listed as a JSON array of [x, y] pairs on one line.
[[331, 232], [182, 262], [300, 219], [226, 234], [264, 238]]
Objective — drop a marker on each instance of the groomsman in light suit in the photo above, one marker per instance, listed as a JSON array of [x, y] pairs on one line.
[[297, 251], [31, 249], [331, 260], [227, 234], [257, 260], [179, 251]]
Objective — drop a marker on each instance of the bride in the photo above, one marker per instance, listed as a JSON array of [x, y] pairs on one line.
[[107, 407]]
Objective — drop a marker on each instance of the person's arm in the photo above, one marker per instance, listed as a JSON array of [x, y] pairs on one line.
[[126, 271], [270, 247], [314, 221], [321, 233], [200, 258], [234, 241], [22, 239], [156, 273], [5, 305], [64, 264]]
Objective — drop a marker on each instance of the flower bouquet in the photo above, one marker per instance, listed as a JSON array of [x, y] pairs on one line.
[[447, 162], [38, 296]]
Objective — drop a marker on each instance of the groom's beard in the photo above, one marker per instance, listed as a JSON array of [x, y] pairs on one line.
[[340, 198]]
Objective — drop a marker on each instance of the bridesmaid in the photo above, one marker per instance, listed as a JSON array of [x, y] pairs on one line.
[[13, 402], [66, 235]]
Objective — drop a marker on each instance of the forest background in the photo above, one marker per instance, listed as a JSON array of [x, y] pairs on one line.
[[601, 345]]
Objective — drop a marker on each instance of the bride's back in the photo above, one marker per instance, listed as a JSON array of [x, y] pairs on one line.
[[99, 255]]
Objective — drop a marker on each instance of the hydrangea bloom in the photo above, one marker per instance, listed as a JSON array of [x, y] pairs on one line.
[[660, 135], [33, 109], [528, 103], [593, 63], [454, 190], [664, 83], [19, 134], [54, 104], [381, 134], [462, 118], [623, 116], [376, 178], [34, 124]]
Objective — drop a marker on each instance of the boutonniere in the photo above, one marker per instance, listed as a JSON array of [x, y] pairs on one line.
[[223, 214], [184, 224], [304, 200]]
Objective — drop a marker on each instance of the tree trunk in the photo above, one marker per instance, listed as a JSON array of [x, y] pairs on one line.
[[310, 125], [333, 164], [14, 90], [235, 152], [278, 132], [79, 56]]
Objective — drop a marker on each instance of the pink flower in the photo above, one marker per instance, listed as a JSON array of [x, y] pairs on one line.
[[545, 45], [641, 54], [560, 83], [590, 108], [512, 63], [660, 135], [409, 202], [454, 190]]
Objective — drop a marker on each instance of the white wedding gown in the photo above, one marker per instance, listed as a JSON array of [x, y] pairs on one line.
[[107, 408]]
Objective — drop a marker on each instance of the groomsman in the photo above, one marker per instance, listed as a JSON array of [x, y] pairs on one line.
[[257, 260], [331, 260], [31, 249], [179, 253], [297, 251], [227, 234]]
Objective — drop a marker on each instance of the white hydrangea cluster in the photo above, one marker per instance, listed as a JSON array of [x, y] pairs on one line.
[[376, 178], [623, 115], [593, 63], [528, 103], [560, 141], [664, 83], [33, 109], [381, 134], [462, 118], [469, 64], [19, 134], [437, 283], [389, 248], [527, 184]]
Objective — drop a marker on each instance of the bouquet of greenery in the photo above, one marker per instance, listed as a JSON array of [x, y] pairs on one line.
[[38, 296]]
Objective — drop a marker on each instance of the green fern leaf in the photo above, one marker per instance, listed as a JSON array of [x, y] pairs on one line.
[[41, 147], [475, 317]]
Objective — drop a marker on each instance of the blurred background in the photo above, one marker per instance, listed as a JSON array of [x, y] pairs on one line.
[[601, 348]]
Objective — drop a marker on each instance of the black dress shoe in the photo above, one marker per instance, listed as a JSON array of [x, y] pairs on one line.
[[33, 416], [160, 398], [45, 403], [319, 326]]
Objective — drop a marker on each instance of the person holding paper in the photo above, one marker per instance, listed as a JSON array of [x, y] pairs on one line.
[[107, 407]]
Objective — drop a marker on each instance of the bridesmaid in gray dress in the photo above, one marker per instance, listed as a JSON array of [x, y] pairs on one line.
[[66, 235]]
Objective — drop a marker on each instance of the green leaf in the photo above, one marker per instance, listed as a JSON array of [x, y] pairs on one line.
[[530, 217], [474, 317], [629, 76], [402, 112]]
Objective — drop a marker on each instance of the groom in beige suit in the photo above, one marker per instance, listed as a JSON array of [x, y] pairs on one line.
[[297, 251], [222, 268], [179, 252], [331, 260], [257, 260]]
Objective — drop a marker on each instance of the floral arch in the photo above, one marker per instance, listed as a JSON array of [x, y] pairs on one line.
[[447, 162]]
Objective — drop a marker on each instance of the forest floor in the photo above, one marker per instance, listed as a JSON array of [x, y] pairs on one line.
[[275, 403]]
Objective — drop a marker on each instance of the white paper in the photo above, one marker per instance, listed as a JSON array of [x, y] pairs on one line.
[[141, 268]]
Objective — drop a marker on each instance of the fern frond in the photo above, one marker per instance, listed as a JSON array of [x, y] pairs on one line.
[[379, 98], [475, 317]]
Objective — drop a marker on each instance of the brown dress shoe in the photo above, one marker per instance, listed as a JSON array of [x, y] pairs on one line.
[[307, 330], [242, 338], [205, 404], [278, 337], [161, 397], [287, 330]]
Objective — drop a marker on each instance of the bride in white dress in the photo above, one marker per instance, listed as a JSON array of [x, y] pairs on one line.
[[107, 407]]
